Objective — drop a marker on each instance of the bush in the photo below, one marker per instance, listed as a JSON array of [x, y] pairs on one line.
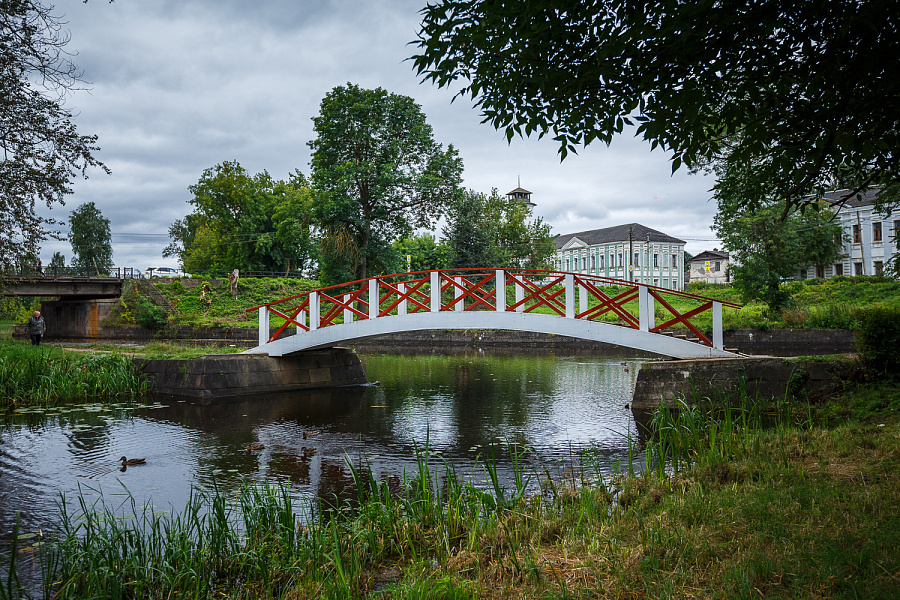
[[878, 338], [149, 315]]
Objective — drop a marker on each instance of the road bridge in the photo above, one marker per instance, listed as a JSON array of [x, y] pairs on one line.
[[601, 309]]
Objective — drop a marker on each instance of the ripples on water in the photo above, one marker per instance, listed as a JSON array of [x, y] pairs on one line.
[[459, 405]]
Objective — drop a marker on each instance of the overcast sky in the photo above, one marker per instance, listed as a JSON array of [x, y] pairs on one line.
[[178, 86]]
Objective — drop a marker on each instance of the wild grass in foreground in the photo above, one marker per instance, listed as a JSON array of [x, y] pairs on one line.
[[45, 374], [749, 502]]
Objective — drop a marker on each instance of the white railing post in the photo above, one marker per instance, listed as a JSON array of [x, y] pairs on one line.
[[570, 296], [645, 307], [461, 305], [313, 311], [500, 290], [718, 339], [435, 291], [520, 295], [263, 325], [348, 314], [582, 299], [373, 298], [401, 307]]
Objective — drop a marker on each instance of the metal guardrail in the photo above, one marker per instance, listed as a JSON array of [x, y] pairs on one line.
[[61, 272]]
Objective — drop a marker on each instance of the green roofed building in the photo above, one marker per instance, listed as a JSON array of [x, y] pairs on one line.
[[631, 252]]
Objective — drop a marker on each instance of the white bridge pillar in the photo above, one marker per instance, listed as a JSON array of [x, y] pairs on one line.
[[348, 314], [718, 339], [646, 309], [520, 295], [570, 296], [373, 299], [461, 305], [401, 307], [435, 291], [500, 290], [263, 325], [314, 311]]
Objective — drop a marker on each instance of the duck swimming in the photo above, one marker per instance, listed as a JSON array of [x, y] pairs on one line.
[[127, 462], [309, 434], [255, 447]]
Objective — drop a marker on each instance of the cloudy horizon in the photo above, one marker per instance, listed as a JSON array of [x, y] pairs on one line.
[[179, 87]]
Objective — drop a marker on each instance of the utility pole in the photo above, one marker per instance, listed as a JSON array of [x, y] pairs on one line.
[[631, 252]]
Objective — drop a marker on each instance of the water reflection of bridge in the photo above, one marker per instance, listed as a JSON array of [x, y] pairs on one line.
[[600, 309]]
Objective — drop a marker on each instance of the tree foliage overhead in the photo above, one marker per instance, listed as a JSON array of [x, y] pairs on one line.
[[91, 239], [42, 152], [246, 222], [804, 90], [378, 174]]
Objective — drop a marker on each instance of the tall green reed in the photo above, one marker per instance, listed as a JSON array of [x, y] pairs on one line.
[[45, 374]]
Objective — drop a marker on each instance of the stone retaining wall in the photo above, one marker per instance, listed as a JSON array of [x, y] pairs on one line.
[[232, 375], [667, 381]]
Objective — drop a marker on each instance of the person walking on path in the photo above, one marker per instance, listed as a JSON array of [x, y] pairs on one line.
[[35, 327]]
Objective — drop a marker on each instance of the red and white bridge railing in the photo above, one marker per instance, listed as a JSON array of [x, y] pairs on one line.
[[469, 298]]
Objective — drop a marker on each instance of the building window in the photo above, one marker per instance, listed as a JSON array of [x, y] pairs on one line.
[[637, 259], [838, 269], [593, 261], [856, 234], [879, 267], [876, 231], [621, 262], [820, 271], [601, 260], [576, 263], [567, 264], [857, 269], [674, 261], [674, 284], [718, 266], [656, 261]]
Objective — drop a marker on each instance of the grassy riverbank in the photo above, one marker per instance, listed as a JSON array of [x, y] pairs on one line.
[[49, 375], [780, 501]]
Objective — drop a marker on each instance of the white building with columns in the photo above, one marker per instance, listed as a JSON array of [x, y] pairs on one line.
[[631, 252], [870, 237]]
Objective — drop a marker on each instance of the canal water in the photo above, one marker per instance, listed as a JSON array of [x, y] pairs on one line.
[[461, 407]]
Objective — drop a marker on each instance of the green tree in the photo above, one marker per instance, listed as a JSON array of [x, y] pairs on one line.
[[91, 239], [802, 93], [766, 249], [426, 253], [378, 174], [245, 222], [57, 261], [490, 231], [42, 152], [471, 234]]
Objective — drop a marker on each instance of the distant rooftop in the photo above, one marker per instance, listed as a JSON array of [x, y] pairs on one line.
[[619, 233]]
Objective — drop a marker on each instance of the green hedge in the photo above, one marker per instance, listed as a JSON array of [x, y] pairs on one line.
[[878, 338]]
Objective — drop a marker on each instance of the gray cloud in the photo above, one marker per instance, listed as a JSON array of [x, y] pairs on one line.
[[178, 87]]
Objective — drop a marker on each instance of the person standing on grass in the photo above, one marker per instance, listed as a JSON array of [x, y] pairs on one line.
[[35, 327]]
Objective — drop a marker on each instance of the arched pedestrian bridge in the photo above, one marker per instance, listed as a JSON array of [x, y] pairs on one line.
[[600, 309]]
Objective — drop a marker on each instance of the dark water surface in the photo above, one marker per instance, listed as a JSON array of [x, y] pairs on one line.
[[558, 407]]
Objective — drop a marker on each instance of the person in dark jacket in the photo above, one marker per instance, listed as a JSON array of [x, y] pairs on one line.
[[35, 326]]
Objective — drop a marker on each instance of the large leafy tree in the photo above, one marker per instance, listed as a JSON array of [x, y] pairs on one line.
[[766, 248], [487, 230], [805, 91], [378, 174], [424, 251], [91, 239], [42, 152], [246, 222]]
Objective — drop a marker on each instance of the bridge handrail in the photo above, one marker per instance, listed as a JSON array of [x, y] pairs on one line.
[[480, 272]]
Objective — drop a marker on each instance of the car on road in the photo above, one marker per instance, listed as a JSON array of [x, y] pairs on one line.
[[164, 272]]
